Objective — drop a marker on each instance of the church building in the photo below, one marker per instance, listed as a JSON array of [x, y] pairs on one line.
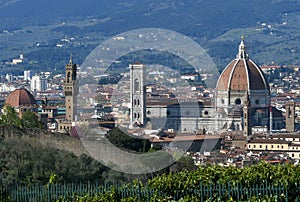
[[242, 101]]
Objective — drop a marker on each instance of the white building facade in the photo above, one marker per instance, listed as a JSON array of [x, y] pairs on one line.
[[38, 83]]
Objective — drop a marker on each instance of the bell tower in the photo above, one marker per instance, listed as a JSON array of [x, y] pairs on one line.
[[71, 90], [247, 115], [137, 95], [290, 116]]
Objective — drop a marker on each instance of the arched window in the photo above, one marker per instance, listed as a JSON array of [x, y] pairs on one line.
[[68, 77], [290, 113], [136, 85]]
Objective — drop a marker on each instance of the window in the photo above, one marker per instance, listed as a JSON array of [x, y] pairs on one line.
[[68, 77], [289, 113], [136, 85], [260, 146]]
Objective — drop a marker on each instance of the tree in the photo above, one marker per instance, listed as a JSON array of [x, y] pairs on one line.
[[128, 142], [31, 120], [10, 118]]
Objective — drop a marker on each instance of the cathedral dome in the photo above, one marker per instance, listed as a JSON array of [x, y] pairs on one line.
[[20, 97], [242, 74]]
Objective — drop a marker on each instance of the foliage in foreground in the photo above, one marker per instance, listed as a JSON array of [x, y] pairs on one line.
[[181, 186], [263, 174], [261, 182]]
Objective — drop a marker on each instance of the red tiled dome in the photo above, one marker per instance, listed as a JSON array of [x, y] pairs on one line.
[[242, 74], [20, 97]]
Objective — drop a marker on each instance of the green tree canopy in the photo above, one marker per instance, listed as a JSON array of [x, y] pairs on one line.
[[127, 142], [10, 118], [31, 120]]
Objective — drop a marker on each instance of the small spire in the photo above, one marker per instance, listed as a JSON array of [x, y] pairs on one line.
[[242, 50], [71, 61]]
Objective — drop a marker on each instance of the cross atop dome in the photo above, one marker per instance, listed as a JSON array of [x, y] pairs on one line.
[[242, 50]]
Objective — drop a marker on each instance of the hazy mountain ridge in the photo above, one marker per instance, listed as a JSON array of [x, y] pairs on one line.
[[216, 25], [146, 13]]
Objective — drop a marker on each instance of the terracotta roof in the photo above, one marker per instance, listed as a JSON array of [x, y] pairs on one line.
[[268, 141], [20, 97], [286, 136], [242, 74]]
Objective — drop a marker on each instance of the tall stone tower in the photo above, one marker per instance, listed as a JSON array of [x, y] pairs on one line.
[[247, 115], [290, 116], [137, 95], [71, 90]]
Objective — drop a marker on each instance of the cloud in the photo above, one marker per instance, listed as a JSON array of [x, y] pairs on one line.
[[5, 3]]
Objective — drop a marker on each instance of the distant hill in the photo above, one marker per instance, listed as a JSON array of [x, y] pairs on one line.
[[198, 17], [270, 27]]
